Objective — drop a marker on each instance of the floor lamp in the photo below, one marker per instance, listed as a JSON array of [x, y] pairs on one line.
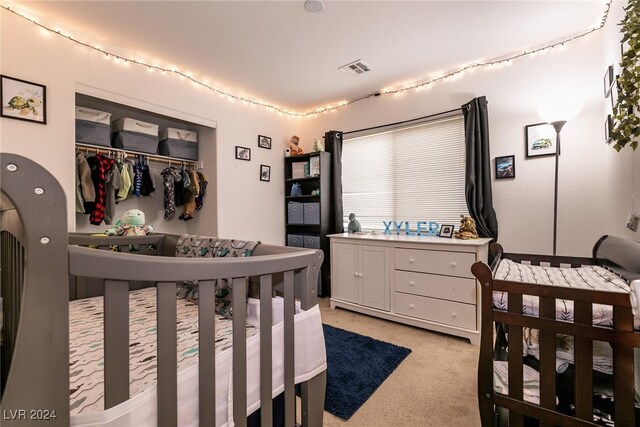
[[557, 125]]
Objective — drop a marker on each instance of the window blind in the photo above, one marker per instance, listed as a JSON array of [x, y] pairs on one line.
[[415, 173]]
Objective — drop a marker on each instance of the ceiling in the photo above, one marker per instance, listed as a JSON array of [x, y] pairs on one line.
[[278, 52]]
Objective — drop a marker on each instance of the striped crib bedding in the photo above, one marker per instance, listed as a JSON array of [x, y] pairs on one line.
[[585, 277], [86, 344]]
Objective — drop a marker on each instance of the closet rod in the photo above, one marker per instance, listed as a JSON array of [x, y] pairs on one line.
[[156, 157], [404, 121]]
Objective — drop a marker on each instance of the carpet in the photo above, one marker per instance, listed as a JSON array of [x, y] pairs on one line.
[[356, 366]]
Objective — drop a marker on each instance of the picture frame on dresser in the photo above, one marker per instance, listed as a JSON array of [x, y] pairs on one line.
[[446, 231]]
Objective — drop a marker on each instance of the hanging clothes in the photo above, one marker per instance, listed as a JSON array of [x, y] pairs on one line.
[[170, 176], [85, 189], [137, 178], [100, 167], [148, 185], [191, 191], [125, 181], [202, 180], [112, 184]]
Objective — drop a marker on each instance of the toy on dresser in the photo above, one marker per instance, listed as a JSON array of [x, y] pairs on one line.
[[467, 228]]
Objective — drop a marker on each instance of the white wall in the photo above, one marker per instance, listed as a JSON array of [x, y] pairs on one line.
[[524, 205], [246, 207]]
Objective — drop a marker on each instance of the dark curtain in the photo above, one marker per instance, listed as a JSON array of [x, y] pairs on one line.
[[333, 145], [478, 171]]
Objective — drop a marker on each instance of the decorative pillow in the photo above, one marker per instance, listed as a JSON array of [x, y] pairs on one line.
[[189, 246]]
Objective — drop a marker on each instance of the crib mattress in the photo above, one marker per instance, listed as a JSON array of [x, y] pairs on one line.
[[586, 277], [86, 345], [141, 409]]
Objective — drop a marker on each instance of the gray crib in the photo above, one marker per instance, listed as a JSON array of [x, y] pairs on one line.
[[43, 267]]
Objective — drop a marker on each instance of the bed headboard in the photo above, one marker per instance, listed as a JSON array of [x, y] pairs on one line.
[[621, 255]]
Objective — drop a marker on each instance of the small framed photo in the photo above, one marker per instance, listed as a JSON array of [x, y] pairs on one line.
[[540, 140], [243, 153], [506, 167], [608, 80], [446, 231], [614, 92], [23, 100], [265, 173], [264, 142], [608, 125]]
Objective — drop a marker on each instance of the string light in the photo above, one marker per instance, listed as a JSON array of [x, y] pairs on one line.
[[420, 84]]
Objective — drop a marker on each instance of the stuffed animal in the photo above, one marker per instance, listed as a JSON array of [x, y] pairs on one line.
[[317, 145], [467, 228], [132, 224], [354, 224], [294, 146]]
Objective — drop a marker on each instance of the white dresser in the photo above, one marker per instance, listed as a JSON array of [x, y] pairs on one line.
[[418, 280]]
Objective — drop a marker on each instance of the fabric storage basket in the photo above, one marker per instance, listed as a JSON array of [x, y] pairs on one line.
[[295, 213], [312, 242], [295, 240], [93, 127], [178, 143], [135, 135], [312, 213]]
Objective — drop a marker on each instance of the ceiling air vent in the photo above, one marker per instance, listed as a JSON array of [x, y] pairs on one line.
[[355, 68]]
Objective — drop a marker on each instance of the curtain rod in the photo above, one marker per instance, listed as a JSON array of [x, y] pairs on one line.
[[404, 121]]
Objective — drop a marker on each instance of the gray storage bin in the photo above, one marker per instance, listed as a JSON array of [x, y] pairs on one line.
[[296, 240], [178, 148], [312, 242], [93, 133], [312, 213], [295, 213], [135, 141]]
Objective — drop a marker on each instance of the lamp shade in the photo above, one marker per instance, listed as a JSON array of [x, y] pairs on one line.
[[561, 107]]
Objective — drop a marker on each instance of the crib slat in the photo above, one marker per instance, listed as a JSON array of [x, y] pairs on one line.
[[547, 358], [239, 303], [116, 342], [289, 351], [583, 354], [206, 353], [266, 408], [623, 390], [167, 354], [515, 360]]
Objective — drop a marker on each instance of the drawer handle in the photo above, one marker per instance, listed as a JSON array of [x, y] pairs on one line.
[[453, 315], [453, 265], [411, 283], [411, 306], [411, 260], [355, 274]]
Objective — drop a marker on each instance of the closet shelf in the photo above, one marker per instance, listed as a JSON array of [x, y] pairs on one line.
[[156, 157]]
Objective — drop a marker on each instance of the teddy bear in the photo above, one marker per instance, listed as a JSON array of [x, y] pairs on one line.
[[467, 228], [131, 224], [294, 146]]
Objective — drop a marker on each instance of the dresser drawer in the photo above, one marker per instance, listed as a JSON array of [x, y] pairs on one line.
[[456, 289], [436, 262], [437, 310]]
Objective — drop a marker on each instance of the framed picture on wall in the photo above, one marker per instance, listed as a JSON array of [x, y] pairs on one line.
[[608, 80], [608, 125], [243, 153], [540, 140], [23, 100], [505, 167], [265, 173], [264, 142]]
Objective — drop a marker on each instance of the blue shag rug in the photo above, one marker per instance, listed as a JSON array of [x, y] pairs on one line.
[[356, 366]]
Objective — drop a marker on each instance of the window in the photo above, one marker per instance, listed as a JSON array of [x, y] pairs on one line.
[[415, 173]]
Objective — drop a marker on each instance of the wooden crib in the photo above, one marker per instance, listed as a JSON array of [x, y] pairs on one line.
[[619, 256], [38, 260]]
